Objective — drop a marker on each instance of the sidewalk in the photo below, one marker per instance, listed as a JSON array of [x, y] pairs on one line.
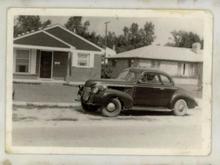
[[40, 81], [46, 104]]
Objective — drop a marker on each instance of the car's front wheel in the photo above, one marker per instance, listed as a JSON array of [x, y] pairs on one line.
[[180, 107], [112, 108]]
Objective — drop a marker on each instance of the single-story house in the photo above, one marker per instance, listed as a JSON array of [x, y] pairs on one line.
[[55, 53], [183, 64]]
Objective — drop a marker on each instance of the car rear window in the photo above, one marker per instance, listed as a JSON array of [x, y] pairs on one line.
[[165, 80]]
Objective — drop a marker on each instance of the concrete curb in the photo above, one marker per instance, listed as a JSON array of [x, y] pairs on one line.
[[38, 82], [47, 104]]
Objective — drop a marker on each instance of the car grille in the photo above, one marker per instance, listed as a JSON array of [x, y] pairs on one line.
[[86, 93]]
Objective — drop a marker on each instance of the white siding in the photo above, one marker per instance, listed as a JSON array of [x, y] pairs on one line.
[[74, 58], [170, 67], [145, 63], [33, 61], [91, 60]]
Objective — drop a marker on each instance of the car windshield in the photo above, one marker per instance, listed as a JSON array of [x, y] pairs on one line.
[[127, 75]]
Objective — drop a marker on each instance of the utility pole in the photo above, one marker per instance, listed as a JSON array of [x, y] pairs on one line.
[[106, 38]]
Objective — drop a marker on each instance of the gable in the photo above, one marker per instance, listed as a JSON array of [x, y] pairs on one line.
[[40, 39], [72, 39]]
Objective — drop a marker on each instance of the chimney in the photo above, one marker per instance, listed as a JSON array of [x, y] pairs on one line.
[[196, 47], [113, 47]]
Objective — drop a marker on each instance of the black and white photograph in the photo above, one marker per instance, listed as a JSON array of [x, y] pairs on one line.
[[94, 81]]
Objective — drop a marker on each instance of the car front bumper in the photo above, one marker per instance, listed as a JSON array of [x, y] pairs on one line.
[[89, 98]]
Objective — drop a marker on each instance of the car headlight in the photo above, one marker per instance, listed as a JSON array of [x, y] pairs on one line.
[[98, 88]]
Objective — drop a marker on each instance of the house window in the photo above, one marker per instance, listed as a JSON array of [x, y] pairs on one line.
[[22, 60], [155, 64], [184, 69], [114, 63], [83, 59]]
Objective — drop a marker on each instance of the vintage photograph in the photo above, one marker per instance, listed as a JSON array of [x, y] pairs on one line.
[[109, 82]]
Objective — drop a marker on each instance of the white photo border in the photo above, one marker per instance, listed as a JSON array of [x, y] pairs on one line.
[[207, 78]]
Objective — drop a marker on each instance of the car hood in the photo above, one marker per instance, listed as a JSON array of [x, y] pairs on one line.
[[108, 82]]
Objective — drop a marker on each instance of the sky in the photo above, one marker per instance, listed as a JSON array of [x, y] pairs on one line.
[[163, 26]]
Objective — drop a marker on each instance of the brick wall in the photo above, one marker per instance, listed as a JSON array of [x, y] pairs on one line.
[[83, 74]]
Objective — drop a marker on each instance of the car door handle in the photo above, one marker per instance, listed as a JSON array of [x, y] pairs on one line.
[[162, 88]]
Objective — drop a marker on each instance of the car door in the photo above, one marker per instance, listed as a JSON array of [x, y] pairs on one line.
[[148, 93], [167, 90]]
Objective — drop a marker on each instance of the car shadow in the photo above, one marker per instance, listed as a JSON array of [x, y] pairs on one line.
[[81, 110], [128, 112], [145, 113]]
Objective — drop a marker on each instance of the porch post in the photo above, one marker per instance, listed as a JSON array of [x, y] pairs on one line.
[[68, 72]]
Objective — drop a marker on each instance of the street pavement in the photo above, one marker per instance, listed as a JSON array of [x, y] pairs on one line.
[[72, 127]]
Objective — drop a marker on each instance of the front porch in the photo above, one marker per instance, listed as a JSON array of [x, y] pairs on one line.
[[41, 65]]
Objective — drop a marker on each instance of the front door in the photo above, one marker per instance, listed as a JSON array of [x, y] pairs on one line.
[[45, 64]]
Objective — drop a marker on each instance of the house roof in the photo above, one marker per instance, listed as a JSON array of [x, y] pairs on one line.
[[73, 39], [56, 36], [40, 39], [161, 53]]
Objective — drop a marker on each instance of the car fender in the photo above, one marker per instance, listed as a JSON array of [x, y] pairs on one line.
[[124, 97], [191, 102]]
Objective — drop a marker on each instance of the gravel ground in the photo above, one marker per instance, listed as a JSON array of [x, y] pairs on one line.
[[75, 128], [29, 114]]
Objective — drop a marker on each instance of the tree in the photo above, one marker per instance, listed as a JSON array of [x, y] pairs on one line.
[[135, 37], [28, 23], [76, 25], [184, 39], [149, 33]]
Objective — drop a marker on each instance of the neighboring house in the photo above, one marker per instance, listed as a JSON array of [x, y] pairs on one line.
[[183, 64], [55, 53], [108, 52]]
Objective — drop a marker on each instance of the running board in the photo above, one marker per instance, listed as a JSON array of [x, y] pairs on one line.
[[159, 109]]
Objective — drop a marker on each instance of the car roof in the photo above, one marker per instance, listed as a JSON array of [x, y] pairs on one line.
[[142, 69]]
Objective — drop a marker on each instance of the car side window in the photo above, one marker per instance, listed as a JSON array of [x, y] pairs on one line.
[[165, 80], [151, 78]]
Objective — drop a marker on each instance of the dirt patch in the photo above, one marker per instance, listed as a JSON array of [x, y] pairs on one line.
[[63, 119], [15, 117]]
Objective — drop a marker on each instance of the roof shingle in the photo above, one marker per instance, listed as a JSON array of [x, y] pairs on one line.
[[161, 53], [40, 39], [71, 39]]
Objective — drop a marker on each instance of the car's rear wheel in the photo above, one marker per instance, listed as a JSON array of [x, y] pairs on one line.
[[180, 107], [112, 108], [89, 108]]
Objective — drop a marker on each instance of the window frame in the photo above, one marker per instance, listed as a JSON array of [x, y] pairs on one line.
[[150, 83], [171, 81], [29, 62], [89, 61]]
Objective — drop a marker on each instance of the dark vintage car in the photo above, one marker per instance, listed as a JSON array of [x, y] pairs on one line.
[[137, 89]]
